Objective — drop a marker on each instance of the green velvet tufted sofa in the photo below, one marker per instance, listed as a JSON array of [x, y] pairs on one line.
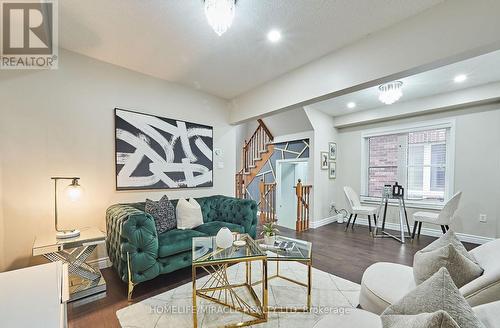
[[139, 254]]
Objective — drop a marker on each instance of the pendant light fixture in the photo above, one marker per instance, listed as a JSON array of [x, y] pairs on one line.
[[390, 92], [220, 14]]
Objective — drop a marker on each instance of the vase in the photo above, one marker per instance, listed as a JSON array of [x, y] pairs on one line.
[[269, 240], [224, 238]]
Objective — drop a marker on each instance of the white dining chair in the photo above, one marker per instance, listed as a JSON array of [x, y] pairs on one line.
[[355, 208], [442, 218]]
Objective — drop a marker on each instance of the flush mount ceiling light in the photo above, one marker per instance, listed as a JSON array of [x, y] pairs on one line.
[[460, 78], [351, 104], [274, 36], [220, 14], [390, 92]]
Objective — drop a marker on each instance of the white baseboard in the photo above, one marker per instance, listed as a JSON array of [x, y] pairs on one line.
[[433, 232], [102, 263], [319, 223]]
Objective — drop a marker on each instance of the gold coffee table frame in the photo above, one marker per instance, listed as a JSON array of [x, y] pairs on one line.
[[220, 290], [302, 254]]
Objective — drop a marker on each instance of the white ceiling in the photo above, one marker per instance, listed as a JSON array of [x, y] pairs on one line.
[[480, 70], [172, 40]]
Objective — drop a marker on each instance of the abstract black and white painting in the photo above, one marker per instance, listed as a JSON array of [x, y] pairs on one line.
[[159, 153]]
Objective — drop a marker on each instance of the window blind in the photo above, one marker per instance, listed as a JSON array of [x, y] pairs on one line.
[[417, 160]]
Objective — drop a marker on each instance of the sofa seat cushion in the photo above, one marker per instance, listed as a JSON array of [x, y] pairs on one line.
[[177, 241], [383, 284], [211, 228]]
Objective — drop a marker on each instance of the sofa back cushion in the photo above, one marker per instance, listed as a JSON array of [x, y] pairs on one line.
[[227, 209]]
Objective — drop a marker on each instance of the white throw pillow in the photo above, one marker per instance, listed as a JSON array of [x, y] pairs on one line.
[[188, 214]]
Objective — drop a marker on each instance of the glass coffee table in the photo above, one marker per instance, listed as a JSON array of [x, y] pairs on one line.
[[218, 288], [301, 252]]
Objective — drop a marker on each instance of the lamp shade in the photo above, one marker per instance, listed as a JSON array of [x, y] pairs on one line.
[[74, 191]]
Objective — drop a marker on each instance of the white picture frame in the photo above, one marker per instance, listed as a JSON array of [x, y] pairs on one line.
[[332, 170], [324, 160], [332, 150]]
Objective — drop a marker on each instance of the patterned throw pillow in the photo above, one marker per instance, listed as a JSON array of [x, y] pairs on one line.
[[449, 238], [448, 252], [435, 294], [163, 211], [438, 319], [461, 269]]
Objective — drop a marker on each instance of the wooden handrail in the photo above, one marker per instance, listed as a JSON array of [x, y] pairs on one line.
[[267, 203], [269, 134], [303, 193], [257, 144]]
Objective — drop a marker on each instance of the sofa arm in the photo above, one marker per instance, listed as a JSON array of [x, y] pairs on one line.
[[132, 241], [486, 288], [239, 211]]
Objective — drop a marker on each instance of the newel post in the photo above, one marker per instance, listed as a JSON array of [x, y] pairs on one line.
[[262, 200], [298, 192], [244, 156]]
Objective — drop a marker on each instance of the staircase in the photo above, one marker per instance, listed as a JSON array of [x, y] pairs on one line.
[[255, 153]]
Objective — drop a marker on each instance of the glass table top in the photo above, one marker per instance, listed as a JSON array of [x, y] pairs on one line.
[[301, 249], [205, 250], [49, 243]]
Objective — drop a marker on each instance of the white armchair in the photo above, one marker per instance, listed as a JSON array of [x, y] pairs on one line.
[[384, 283]]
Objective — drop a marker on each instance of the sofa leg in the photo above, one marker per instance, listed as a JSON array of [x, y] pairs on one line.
[[131, 285], [130, 290]]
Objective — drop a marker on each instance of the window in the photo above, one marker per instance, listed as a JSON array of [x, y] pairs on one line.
[[415, 157]]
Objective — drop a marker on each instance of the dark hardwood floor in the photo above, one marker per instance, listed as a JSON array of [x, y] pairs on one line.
[[345, 254]]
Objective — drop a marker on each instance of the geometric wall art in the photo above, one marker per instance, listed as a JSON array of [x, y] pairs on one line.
[[153, 152]]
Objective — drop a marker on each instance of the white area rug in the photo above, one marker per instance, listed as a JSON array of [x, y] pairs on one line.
[[330, 294]]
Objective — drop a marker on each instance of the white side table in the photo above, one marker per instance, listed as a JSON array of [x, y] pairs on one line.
[[85, 280]]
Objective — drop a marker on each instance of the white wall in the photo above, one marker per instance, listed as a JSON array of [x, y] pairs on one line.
[[323, 187], [477, 165], [61, 123], [2, 228], [449, 32]]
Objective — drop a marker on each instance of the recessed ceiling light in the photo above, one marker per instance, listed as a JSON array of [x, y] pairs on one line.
[[351, 104], [274, 36], [460, 78]]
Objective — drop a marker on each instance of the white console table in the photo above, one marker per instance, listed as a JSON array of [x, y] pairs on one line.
[[34, 296]]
